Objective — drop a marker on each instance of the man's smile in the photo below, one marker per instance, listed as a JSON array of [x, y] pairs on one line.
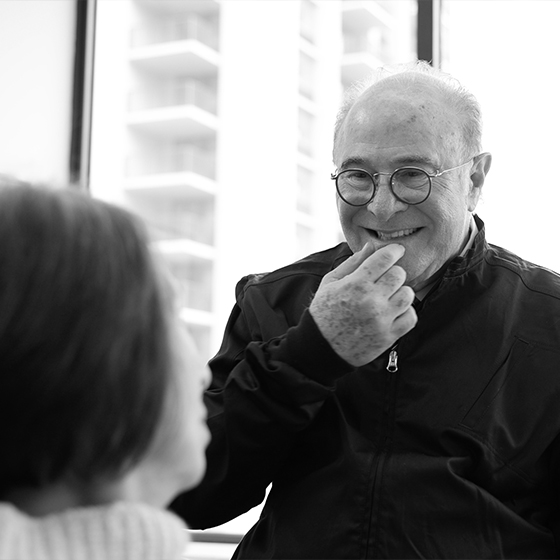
[[386, 235]]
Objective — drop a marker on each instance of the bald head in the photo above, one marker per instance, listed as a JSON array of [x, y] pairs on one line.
[[409, 93]]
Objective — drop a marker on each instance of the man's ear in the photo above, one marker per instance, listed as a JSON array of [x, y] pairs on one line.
[[480, 168]]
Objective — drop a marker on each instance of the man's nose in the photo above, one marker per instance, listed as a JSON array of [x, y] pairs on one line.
[[385, 204]]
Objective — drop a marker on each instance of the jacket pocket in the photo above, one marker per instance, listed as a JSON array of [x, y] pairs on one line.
[[495, 391], [516, 415]]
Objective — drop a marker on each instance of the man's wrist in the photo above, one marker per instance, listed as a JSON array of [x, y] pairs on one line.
[[305, 349]]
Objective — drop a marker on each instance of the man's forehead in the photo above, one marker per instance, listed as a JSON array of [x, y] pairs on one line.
[[392, 98], [396, 102], [400, 120]]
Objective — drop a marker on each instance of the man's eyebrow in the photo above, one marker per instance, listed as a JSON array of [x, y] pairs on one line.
[[415, 160], [353, 161], [410, 159]]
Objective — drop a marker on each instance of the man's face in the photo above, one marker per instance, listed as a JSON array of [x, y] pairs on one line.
[[387, 130]]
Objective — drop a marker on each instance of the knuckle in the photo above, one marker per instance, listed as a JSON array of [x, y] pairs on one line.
[[409, 291], [390, 253], [405, 322], [399, 272], [395, 276], [384, 259], [400, 300]]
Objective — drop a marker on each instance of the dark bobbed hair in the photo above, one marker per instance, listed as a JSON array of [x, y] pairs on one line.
[[84, 344]]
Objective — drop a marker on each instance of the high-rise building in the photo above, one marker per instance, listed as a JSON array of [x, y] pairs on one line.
[[213, 121]]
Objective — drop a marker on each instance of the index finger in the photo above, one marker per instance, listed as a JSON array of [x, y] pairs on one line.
[[352, 263], [381, 261]]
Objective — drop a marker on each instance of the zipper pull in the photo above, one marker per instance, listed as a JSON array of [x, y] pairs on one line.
[[392, 365]]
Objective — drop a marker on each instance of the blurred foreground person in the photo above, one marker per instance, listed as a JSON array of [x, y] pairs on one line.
[[101, 413], [401, 391]]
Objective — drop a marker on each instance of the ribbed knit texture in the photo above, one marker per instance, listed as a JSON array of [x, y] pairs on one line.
[[120, 531]]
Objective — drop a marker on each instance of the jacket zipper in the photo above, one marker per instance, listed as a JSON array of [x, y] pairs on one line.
[[392, 366], [384, 450]]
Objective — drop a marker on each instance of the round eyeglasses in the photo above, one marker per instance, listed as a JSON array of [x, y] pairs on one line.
[[411, 185]]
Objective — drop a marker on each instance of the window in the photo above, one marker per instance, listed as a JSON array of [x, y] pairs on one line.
[[221, 140], [214, 130], [517, 85], [197, 117]]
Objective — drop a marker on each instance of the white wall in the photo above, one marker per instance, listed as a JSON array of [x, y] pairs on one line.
[[36, 67], [506, 52]]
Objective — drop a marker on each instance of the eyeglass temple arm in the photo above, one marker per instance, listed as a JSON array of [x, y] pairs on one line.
[[456, 167]]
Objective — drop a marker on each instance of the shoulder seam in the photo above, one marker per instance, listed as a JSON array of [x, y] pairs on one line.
[[522, 279]]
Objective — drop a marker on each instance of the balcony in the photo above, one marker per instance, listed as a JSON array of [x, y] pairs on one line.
[[171, 59], [181, 170], [177, 49], [175, 93], [362, 54], [177, 218], [174, 158], [360, 15], [177, 110], [176, 7], [194, 277], [306, 133], [191, 27]]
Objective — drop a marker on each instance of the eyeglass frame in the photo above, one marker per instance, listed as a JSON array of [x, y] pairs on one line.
[[335, 176]]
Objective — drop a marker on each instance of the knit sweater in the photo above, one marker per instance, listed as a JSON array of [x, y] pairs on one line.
[[119, 531]]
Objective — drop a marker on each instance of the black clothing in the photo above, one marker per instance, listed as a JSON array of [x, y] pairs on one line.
[[454, 455]]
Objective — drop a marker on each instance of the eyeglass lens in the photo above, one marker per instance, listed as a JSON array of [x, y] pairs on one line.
[[410, 184]]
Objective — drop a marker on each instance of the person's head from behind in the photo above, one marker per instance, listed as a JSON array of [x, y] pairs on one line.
[[409, 116], [100, 391]]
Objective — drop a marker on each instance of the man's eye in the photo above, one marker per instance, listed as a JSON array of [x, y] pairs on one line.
[[412, 173], [357, 176], [411, 178]]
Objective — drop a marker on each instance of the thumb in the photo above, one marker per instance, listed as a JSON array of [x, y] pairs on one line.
[[351, 263]]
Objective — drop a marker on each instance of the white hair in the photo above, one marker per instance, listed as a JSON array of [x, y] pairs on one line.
[[460, 100]]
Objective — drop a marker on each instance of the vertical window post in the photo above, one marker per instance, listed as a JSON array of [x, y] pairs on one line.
[[81, 93], [428, 38]]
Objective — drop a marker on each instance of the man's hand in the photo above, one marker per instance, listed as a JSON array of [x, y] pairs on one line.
[[362, 307]]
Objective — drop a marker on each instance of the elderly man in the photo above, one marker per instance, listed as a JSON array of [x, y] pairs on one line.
[[400, 391]]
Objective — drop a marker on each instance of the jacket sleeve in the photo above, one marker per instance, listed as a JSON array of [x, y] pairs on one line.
[[269, 380]]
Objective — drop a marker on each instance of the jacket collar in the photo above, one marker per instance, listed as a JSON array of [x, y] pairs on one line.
[[460, 264]]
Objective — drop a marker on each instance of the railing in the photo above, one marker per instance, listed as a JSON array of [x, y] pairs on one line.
[[195, 293], [183, 225], [175, 159], [373, 42], [177, 93], [191, 27]]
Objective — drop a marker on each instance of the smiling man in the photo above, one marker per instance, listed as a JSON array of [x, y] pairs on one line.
[[411, 121], [400, 391]]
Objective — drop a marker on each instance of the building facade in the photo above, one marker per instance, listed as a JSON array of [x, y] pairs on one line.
[[213, 121]]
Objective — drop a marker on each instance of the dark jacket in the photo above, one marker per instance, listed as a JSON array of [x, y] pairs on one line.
[[454, 455]]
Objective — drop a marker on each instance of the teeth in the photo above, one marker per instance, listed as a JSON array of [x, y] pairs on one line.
[[395, 234]]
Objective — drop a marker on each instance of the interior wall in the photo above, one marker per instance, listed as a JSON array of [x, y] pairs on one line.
[[36, 70]]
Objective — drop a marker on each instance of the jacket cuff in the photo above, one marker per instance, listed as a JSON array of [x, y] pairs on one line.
[[305, 349]]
